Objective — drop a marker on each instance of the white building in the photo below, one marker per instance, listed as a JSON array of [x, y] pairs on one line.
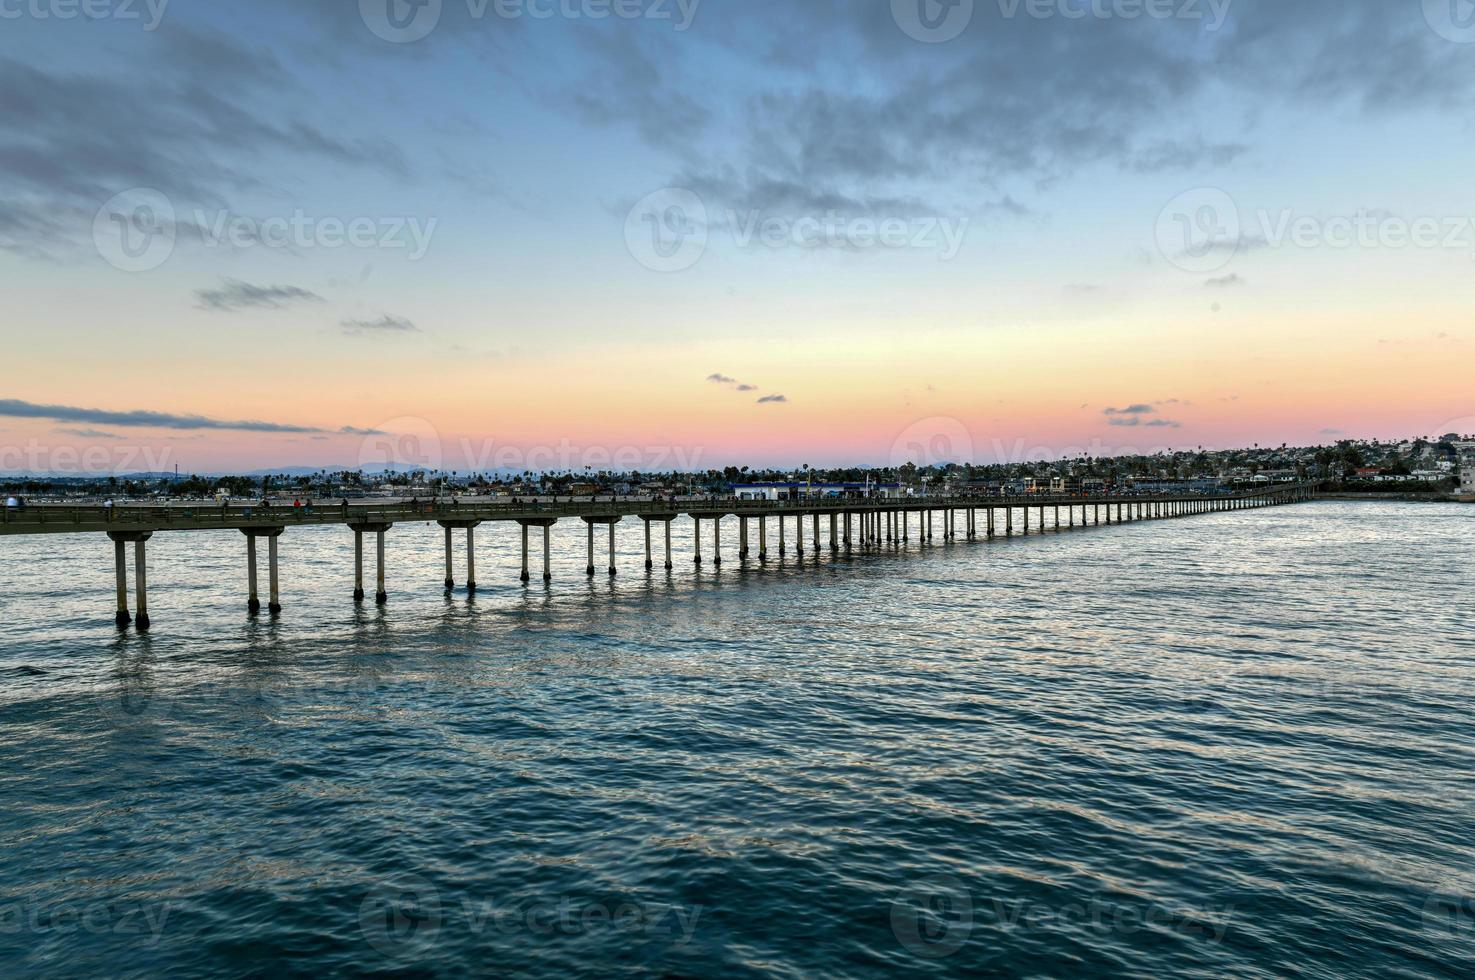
[[1467, 477]]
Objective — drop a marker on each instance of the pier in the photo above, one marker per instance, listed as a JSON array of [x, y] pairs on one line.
[[836, 524]]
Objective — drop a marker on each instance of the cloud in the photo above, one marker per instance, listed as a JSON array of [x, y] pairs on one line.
[[14, 408], [773, 400], [349, 430], [721, 379], [1224, 282], [747, 387], [212, 118], [1132, 421], [383, 325], [1330, 432], [90, 433], [236, 295], [1130, 410]]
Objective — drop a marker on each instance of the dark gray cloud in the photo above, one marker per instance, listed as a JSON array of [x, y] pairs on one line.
[[235, 295], [89, 433], [204, 122], [773, 400], [14, 408], [1139, 409], [721, 379], [1225, 282], [382, 325]]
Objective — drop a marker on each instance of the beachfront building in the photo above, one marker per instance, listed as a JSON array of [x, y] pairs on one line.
[[807, 491]]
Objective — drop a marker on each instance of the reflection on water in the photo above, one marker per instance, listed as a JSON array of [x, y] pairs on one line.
[[1233, 745]]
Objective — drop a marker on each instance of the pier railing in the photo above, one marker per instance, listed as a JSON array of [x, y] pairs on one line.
[[205, 515]]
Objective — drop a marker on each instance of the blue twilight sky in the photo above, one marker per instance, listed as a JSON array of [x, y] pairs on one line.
[[572, 214]]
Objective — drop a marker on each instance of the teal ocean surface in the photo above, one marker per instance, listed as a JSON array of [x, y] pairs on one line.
[[1238, 744]]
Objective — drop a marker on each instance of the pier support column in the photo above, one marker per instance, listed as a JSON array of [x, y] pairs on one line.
[[547, 552], [649, 561], [381, 595], [120, 568], [1008, 522], [927, 533], [526, 577], [742, 538], [696, 523], [358, 566], [612, 570], [1025, 510], [834, 533], [253, 597], [781, 549], [668, 545], [590, 570], [450, 573], [274, 601], [763, 537], [140, 583], [847, 530], [470, 558], [717, 541]]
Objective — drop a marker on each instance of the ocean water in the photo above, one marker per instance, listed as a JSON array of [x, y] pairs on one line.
[[1229, 745]]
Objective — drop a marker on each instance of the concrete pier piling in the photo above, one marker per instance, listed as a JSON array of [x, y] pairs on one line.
[[140, 584], [121, 561], [381, 594], [253, 596], [358, 566]]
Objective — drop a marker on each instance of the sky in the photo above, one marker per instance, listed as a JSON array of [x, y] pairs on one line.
[[676, 234]]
